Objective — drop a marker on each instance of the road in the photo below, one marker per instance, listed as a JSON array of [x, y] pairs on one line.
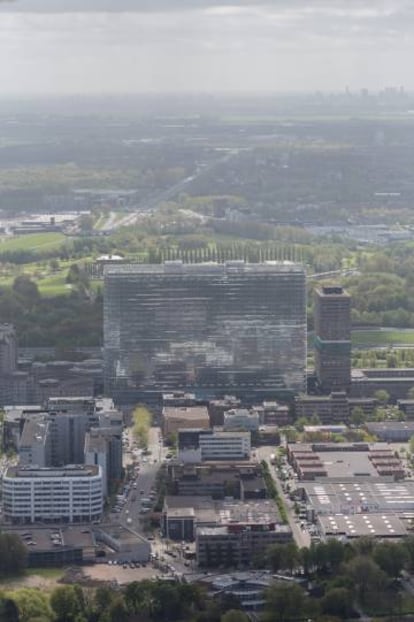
[[301, 536], [166, 195], [131, 515], [171, 554]]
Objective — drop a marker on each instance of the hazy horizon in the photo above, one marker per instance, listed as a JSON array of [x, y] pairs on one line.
[[117, 47]]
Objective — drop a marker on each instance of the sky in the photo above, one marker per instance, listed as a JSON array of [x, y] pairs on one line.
[[252, 46]]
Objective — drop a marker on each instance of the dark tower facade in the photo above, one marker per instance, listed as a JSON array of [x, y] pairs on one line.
[[333, 338]]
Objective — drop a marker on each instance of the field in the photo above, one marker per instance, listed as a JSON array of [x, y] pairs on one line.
[[54, 285], [44, 579], [32, 242], [382, 337]]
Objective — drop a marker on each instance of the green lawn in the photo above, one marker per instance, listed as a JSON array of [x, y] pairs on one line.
[[54, 285], [384, 337], [32, 241]]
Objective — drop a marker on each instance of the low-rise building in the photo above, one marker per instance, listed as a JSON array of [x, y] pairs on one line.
[[247, 587], [126, 544], [338, 460], [68, 494], [273, 413], [199, 445], [383, 526], [57, 546], [217, 408], [241, 419], [179, 398], [391, 431], [219, 480], [396, 381], [335, 408], [237, 545], [175, 418], [228, 533]]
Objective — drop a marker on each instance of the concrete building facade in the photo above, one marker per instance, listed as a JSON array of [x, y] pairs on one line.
[[70, 494], [203, 445], [175, 418], [241, 419]]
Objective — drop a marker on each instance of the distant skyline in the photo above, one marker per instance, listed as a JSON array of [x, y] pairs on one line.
[[137, 46]]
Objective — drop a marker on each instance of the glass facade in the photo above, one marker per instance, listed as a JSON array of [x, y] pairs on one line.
[[205, 327]]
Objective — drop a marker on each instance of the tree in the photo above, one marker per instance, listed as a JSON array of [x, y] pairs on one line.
[[364, 546], [103, 598], [300, 423], [335, 553], [290, 433], [338, 601], [26, 290], [410, 393], [275, 557], [13, 554], [367, 577], [172, 439], [391, 557], [306, 558], [382, 396], [142, 422], [118, 611], [66, 603], [284, 602], [32, 605], [357, 416], [234, 615], [315, 419]]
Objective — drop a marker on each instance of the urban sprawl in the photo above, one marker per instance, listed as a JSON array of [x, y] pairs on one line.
[[201, 439]]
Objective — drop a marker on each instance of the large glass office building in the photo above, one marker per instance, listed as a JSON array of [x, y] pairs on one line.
[[209, 328]]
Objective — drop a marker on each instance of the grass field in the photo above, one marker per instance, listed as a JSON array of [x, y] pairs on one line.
[[54, 285], [383, 337], [32, 241]]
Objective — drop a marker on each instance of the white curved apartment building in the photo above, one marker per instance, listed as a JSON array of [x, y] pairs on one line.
[[69, 494]]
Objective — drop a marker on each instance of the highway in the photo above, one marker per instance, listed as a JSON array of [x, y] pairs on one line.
[[163, 196]]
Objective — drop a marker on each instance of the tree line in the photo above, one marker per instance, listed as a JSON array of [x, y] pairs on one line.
[[341, 578]]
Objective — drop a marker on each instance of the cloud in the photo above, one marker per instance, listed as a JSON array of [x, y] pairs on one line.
[[173, 45], [59, 6]]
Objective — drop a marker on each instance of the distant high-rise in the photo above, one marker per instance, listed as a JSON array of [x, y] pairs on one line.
[[207, 328], [333, 339], [8, 349]]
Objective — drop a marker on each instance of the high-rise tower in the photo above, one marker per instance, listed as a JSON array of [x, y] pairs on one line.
[[8, 349], [333, 338], [209, 328]]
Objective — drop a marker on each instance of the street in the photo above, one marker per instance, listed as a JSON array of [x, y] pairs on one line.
[[301, 536], [141, 488]]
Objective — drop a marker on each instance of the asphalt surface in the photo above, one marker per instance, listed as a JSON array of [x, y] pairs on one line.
[[301, 536], [140, 488]]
